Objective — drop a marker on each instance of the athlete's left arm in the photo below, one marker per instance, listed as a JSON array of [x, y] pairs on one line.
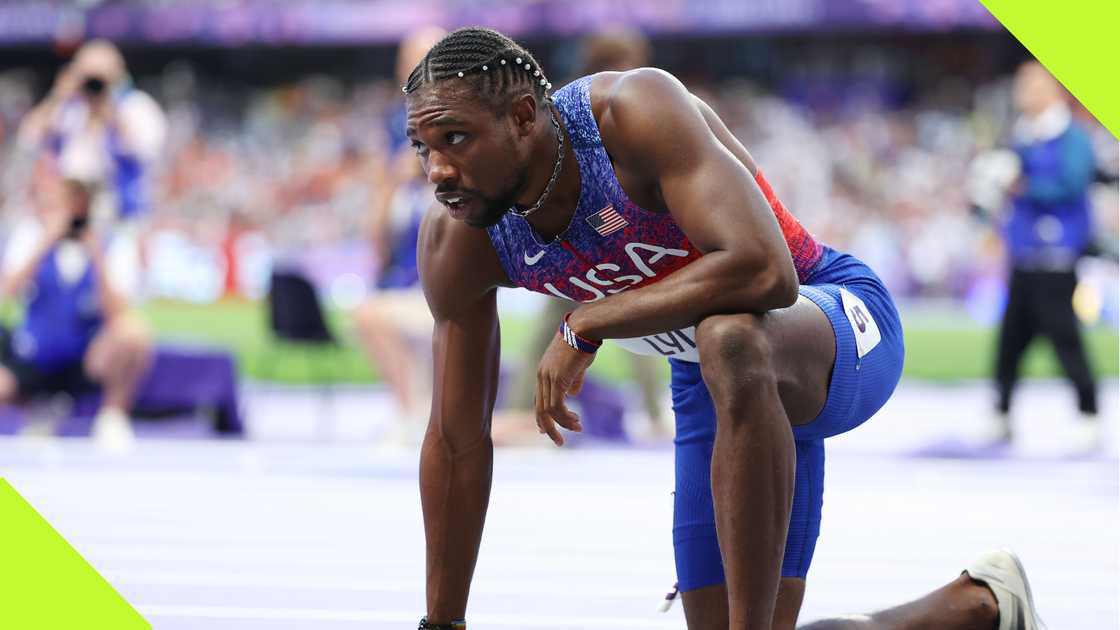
[[652, 125]]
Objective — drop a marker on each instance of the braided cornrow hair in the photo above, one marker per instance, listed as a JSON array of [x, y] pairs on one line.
[[495, 64]]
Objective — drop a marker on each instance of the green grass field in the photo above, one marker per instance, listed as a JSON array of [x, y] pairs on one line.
[[934, 351]]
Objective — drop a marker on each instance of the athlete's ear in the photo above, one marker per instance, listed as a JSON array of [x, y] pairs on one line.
[[524, 112]]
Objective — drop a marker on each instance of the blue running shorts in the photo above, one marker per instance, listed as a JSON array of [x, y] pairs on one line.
[[869, 354]]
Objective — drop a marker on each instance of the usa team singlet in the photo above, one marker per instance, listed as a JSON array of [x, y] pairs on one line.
[[611, 244]]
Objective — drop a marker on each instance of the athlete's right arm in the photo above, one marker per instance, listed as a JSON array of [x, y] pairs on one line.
[[460, 274]]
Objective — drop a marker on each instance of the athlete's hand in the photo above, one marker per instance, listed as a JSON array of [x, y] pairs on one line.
[[559, 373]]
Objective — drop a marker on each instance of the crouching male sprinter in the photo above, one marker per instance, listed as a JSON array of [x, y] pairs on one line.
[[626, 194]]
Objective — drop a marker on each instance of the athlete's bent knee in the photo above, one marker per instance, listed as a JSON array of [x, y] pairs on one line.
[[733, 340], [736, 358]]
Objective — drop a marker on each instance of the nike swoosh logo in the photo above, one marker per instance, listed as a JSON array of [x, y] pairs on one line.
[[532, 260]]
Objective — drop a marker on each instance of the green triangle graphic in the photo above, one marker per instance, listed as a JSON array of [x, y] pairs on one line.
[[1077, 41], [45, 584]]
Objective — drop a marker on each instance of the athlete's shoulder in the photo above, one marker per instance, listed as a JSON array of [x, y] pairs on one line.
[[457, 263], [630, 92], [644, 115]]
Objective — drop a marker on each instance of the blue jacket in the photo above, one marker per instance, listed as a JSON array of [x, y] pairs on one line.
[[61, 320], [1050, 224]]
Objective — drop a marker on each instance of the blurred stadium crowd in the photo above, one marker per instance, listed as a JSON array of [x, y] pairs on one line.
[[254, 174]]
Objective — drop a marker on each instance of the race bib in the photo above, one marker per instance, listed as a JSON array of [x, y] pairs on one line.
[[863, 325], [676, 344]]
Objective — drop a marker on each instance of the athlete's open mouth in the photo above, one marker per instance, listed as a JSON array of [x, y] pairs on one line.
[[458, 204], [453, 201]]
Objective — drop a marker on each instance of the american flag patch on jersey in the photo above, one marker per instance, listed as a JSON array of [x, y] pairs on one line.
[[607, 221]]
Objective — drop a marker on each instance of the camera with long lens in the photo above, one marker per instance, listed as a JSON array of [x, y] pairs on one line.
[[77, 227], [93, 86]]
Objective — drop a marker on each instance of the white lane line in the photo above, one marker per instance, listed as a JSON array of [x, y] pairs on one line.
[[106, 554], [834, 554], [348, 583], [322, 614], [1086, 596]]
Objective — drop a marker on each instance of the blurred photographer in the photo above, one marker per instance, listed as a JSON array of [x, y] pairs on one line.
[[96, 126], [1048, 229], [77, 332]]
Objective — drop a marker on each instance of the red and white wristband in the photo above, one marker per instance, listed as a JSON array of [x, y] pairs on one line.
[[575, 341]]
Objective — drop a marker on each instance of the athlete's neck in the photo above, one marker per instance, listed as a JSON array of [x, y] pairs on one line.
[[554, 215]]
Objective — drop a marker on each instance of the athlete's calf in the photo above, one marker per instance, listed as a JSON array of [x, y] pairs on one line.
[[753, 462]]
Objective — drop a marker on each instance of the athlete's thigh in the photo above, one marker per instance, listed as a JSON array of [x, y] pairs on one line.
[[707, 608], [804, 350]]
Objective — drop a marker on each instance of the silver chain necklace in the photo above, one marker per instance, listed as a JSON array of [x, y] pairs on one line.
[[555, 171]]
